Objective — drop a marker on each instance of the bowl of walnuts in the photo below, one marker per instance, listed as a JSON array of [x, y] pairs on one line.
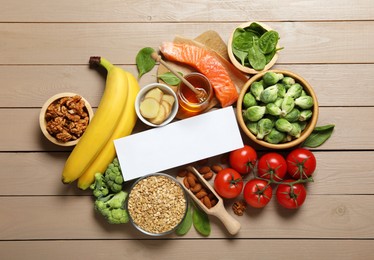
[[64, 118]]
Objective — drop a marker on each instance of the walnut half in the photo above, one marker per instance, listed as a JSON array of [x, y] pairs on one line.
[[67, 118], [239, 207]]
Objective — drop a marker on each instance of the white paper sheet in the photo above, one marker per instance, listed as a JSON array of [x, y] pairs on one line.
[[178, 143]]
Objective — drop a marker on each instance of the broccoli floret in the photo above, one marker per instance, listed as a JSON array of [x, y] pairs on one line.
[[112, 207], [99, 187], [113, 176]]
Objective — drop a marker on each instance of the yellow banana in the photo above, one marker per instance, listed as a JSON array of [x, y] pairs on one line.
[[103, 123], [125, 126]]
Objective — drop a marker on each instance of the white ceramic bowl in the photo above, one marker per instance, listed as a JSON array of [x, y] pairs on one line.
[[167, 90]]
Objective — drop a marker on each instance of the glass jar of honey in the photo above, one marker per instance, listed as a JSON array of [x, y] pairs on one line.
[[189, 105]]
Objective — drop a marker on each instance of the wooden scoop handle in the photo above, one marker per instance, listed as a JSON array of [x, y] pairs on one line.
[[231, 224], [200, 94], [157, 58]]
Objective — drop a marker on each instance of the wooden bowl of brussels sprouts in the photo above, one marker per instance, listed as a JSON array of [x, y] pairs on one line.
[[277, 109], [253, 47]]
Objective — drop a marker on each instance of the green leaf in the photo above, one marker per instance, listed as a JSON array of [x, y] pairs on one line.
[[144, 61], [268, 42], [256, 58], [170, 79], [256, 28], [186, 224], [324, 128], [244, 41], [241, 55], [201, 221], [319, 135]]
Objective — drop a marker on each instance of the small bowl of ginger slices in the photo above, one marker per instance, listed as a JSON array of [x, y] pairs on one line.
[[156, 104]]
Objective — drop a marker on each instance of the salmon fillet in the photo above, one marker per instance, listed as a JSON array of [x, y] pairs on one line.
[[206, 63]]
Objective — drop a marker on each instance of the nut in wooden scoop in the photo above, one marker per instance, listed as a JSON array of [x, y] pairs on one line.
[[207, 199]]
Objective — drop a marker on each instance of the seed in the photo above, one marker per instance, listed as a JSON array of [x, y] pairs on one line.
[[196, 188], [182, 173], [216, 168], [191, 181], [201, 194], [204, 170], [207, 202], [208, 175]]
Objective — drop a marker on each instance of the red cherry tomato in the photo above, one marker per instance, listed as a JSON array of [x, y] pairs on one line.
[[301, 163], [228, 183], [291, 196], [272, 166], [257, 193], [243, 160]]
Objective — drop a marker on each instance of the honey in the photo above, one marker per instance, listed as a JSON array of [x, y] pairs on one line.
[[189, 104]]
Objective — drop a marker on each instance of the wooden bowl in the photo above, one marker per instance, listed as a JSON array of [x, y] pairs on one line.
[[43, 122], [304, 134], [237, 64]]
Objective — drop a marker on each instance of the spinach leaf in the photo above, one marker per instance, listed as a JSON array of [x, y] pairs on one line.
[[256, 58], [270, 56], [186, 224], [201, 221], [241, 55], [244, 41], [319, 135], [268, 42], [170, 79], [255, 27], [144, 61]]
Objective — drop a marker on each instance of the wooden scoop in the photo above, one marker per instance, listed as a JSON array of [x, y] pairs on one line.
[[218, 210], [200, 94]]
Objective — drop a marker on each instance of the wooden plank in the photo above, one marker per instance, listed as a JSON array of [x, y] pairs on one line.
[[174, 249], [304, 42], [23, 133], [38, 83], [73, 217], [193, 10], [31, 174]]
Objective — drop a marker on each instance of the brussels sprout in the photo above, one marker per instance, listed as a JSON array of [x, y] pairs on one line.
[[273, 109], [288, 81], [254, 113], [293, 115], [287, 105], [304, 102], [275, 137], [252, 127], [269, 94], [271, 78], [281, 90], [278, 102], [302, 124], [264, 127], [283, 125], [305, 115], [249, 100], [295, 130], [303, 93], [256, 89], [295, 91], [287, 138]]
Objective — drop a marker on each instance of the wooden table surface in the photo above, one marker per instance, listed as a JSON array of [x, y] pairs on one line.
[[44, 50]]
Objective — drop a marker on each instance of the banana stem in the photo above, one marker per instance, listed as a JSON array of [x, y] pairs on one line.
[[97, 60]]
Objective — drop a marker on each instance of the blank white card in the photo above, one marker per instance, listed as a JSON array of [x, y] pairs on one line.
[[179, 143]]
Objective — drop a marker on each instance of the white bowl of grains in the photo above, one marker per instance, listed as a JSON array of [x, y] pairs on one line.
[[157, 204]]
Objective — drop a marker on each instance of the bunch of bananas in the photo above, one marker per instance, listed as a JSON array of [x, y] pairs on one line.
[[115, 117]]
